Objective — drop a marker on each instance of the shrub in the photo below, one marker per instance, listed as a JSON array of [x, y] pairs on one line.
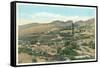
[[92, 44], [68, 52], [25, 50]]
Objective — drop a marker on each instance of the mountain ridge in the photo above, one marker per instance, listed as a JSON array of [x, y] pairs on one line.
[[45, 27]]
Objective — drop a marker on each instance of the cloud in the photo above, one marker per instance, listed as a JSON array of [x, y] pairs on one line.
[[45, 17]]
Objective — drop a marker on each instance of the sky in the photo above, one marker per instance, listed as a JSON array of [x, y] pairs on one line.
[[39, 13]]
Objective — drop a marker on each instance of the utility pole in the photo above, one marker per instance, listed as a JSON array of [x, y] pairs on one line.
[[73, 28]]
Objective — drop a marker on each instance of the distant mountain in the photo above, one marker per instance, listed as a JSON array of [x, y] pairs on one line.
[[59, 23], [87, 22], [90, 21], [45, 27], [27, 25], [34, 28]]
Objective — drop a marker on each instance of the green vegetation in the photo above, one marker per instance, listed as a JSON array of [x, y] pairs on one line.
[[25, 50], [92, 44], [60, 44]]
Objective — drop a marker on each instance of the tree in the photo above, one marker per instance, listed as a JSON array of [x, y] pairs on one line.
[[92, 44], [74, 45], [67, 43], [70, 52], [67, 52]]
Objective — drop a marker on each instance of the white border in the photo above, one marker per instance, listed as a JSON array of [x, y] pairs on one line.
[[55, 61]]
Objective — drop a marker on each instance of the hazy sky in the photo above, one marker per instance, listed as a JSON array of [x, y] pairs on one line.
[[32, 13]]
